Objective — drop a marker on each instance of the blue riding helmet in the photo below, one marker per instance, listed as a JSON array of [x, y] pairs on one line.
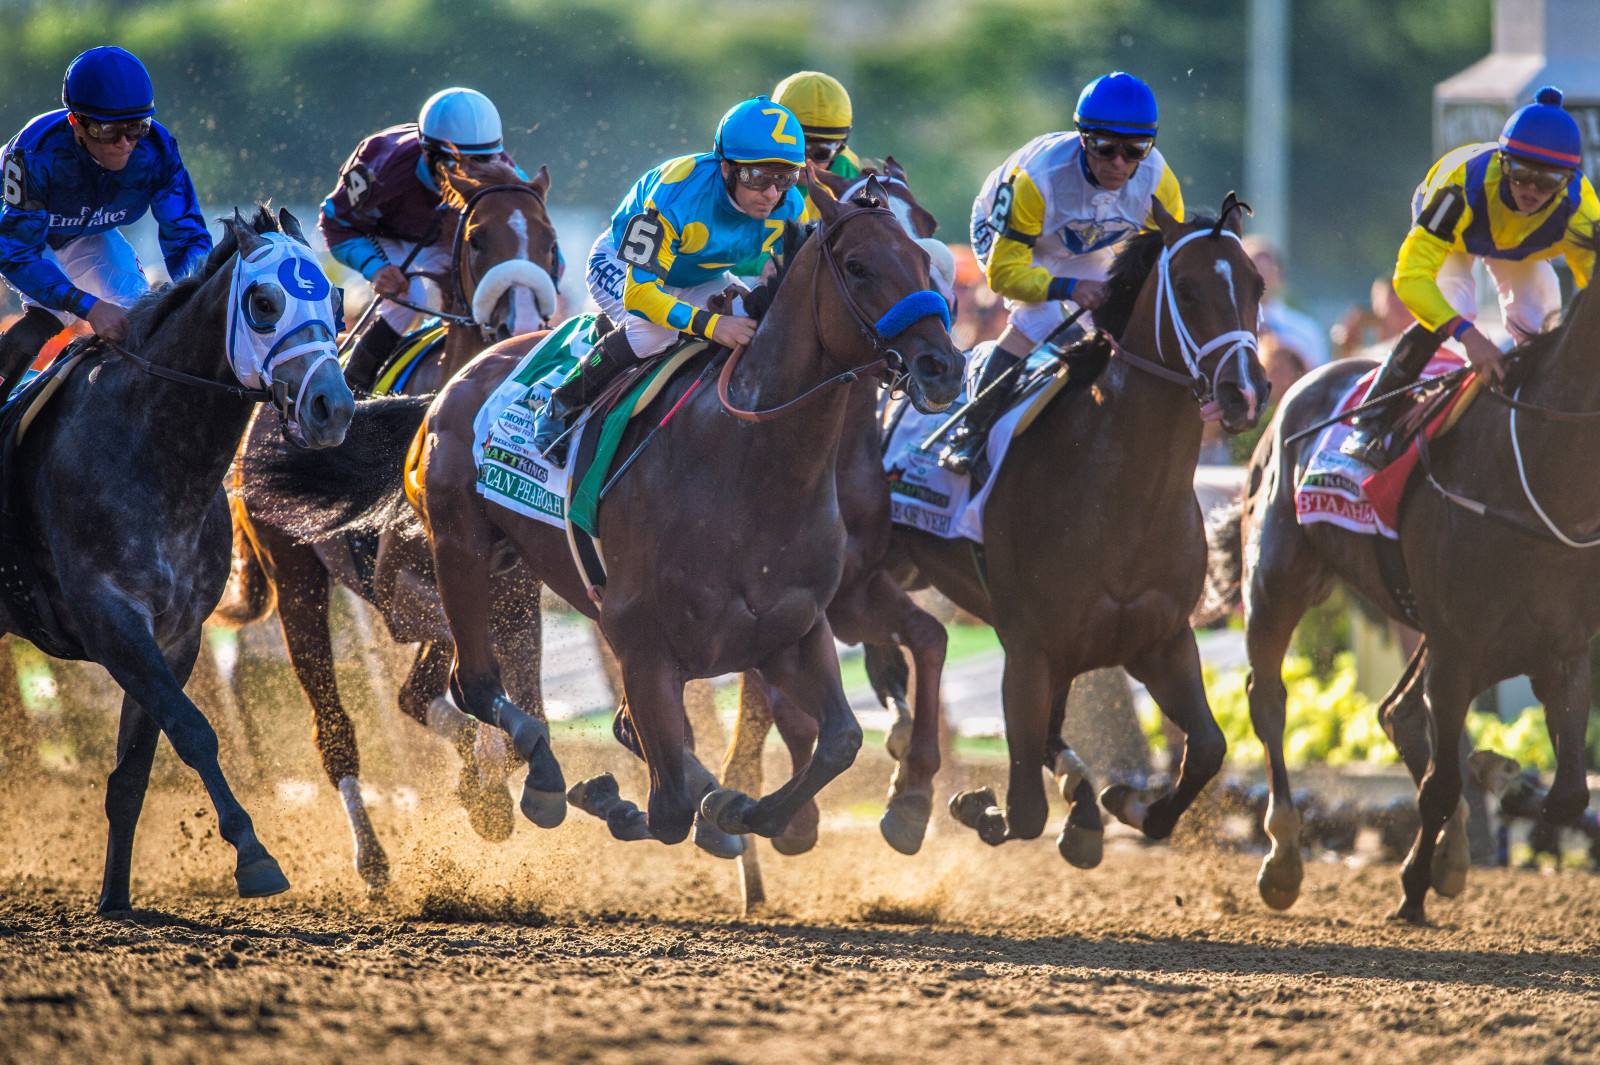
[[761, 131], [108, 84], [1117, 102], [1543, 132]]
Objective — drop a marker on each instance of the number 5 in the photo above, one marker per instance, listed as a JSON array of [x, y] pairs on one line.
[[777, 130], [13, 182], [641, 242]]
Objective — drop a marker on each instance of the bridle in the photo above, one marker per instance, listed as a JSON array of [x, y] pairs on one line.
[[890, 367]]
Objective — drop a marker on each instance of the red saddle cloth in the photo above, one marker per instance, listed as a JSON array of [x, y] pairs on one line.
[[1434, 415]]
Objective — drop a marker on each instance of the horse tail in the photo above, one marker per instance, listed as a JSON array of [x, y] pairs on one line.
[[250, 594], [1225, 565], [359, 485]]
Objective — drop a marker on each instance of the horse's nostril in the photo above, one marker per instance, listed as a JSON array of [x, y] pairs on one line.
[[320, 411]]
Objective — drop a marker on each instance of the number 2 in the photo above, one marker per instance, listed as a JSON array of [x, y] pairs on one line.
[[641, 242], [13, 182], [777, 129], [1001, 215]]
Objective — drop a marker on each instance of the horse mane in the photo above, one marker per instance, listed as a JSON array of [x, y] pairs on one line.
[[152, 309], [494, 172], [1129, 272]]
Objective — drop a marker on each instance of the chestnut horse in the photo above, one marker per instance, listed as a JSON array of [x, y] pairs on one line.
[[1492, 534], [504, 258]]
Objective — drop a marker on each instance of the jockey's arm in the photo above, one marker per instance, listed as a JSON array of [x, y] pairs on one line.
[[1170, 195], [185, 240], [1579, 252], [1011, 271], [1422, 256], [23, 228], [644, 294]]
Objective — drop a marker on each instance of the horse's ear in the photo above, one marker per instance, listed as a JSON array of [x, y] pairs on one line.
[[1232, 216], [540, 182], [1171, 229], [824, 200], [874, 191], [291, 225], [894, 169], [249, 240]]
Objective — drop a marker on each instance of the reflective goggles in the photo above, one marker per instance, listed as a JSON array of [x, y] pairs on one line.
[[1107, 148], [133, 129], [1531, 175], [823, 152], [758, 178]]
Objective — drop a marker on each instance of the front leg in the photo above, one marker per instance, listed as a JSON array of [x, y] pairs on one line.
[[1171, 673], [1564, 690], [1440, 796]]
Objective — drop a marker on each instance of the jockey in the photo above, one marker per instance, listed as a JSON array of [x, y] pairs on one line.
[[1516, 204], [670, 245], [1047, 225], [388, 201], [823, 108], [72, 178]]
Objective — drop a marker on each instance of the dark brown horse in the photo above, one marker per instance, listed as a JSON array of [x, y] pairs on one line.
[[1094, 550], [723, 542], [499, 285], [870, 607], [1501, 583]]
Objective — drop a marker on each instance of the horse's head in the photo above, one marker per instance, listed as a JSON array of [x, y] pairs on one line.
[[282, 319], [1206, 302], [505, 258], [882, 303]]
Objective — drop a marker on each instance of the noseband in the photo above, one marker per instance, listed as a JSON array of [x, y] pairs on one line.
[[891, 365]]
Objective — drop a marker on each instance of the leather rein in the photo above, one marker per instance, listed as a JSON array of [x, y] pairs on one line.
[[891, 359]]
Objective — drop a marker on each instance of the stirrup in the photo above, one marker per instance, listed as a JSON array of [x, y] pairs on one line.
[[962, 449], [1365, 445], [550, 431]]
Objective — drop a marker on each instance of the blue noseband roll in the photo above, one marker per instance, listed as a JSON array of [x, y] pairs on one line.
[[912, 309]]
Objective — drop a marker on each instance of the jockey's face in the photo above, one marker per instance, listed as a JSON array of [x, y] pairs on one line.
[[1112, 173], [1529, 200], [113, 155], [757, 203]]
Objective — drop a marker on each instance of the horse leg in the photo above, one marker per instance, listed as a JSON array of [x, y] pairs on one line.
[[462, 540], [1564, 690], [1403, 714], [1267, 639], [116, 633], [656, 715], [303, 615], [1440, 796], [1171, 673], [798, 730], [1082, 839], [1029, 700], [808, 673], [905, 822], [490, 811]]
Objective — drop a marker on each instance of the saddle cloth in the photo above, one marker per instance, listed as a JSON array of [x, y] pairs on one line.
[[923, 494], [512, 473], [1336, 489]]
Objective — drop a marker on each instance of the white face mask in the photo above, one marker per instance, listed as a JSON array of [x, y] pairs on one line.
[[287, 268]]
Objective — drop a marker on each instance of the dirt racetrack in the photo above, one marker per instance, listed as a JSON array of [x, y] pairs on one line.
[[568, 946]]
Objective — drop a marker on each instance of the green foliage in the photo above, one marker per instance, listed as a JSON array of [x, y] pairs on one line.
[[268, 97], [1524, 739], [1323, 634]]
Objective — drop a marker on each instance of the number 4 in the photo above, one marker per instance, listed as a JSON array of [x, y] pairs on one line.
[[13, 182]]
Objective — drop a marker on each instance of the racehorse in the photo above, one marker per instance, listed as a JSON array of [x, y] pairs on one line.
[[1491, 536], [115, 503], [1094, 550], [722, 543], [504, 261], [870, 606]]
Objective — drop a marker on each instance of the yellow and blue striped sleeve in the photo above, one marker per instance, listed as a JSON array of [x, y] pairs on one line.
[[1010, 269], [644, 295]]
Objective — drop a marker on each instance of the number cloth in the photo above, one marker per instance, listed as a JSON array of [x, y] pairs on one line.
[[678, 229], [1463, 209], [55, 193]]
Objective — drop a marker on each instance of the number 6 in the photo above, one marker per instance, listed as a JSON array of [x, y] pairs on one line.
[[13, 182]]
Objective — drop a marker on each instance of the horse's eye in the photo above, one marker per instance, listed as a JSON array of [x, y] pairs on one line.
[[854, 268], [1185, 291]]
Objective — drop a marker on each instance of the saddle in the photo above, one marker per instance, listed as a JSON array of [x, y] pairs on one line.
[[411, 350], [22, 587]]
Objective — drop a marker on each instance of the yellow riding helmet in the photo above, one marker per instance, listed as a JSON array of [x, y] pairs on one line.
[[819, 102]]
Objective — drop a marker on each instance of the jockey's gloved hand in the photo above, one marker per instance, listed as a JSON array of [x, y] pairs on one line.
[[108, 320]]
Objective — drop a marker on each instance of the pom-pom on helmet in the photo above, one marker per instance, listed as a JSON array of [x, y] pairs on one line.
[[1542, 132], [108, 84], [1117, 102], [759, 130]]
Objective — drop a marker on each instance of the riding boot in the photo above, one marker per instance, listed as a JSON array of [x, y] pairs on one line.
[[609, 357], [21, 344], [1404, 364], [371, 352], [970, 439]]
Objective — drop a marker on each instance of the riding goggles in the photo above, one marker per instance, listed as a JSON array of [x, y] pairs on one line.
[[133, 129], [1108, 148], [823, 152], [1529, 175], [757, 178]]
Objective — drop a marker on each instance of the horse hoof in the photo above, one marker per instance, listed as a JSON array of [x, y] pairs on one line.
[[373, 868], [1279, 879], [260, 879], [1125, 804], [595, 797], [628, 823], [800, 835], [111, 906], [905, 822], [1492, 770], [1081, 847], [715, 842], [968, 806], [547, 809], [727, 809], [1412, 913], [1452, 857]]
